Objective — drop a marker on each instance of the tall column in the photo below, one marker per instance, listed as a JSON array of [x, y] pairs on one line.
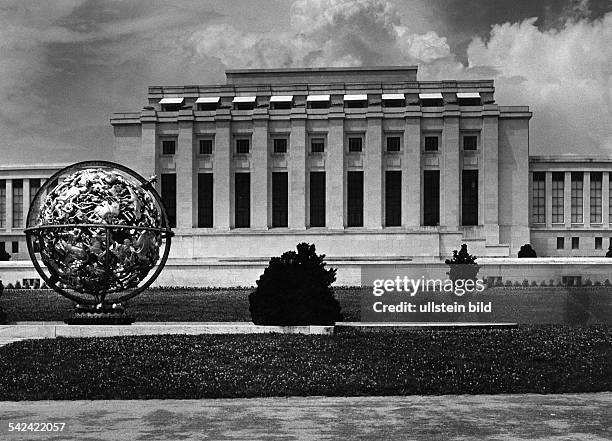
[[605, 200], [450, 194], [411, 174], [26, 201], [372, 203], [586, 199], [185, 179], [222, 176], [567, 199], [9, 204], [148, 163], [297, 173], [489, 146], [548, 199], [334, 175], [259, 175]]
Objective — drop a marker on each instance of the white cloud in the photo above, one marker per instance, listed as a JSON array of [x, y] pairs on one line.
[[565, 76]]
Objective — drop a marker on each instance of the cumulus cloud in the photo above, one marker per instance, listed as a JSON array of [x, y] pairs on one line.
[[563, 73]]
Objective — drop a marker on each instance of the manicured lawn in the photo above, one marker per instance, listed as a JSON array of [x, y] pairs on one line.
[[159, 305], [547, 359]]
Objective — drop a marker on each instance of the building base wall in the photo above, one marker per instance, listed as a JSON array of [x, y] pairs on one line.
[[193, 273]]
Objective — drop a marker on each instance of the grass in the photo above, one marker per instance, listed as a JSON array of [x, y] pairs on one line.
[[545, 359], [160, 305]]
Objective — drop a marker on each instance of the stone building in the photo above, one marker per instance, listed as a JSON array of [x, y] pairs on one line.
[[368, 163]]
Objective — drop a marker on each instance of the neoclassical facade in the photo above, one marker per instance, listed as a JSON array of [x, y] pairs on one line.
[[367, 163]]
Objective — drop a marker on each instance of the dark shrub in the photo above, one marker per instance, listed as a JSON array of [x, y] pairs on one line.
[[463, 265], [295, 289], [525, 282], [10, 286], [17, 285], [609, 252], [527, 251]]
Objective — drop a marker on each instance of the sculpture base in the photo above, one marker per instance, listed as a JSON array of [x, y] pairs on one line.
[[84, 315]]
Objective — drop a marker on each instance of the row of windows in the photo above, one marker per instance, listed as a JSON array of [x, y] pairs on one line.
[[319, 102], [317, 145], [538, 198], [354, 202], [17, 205], [575, 245]]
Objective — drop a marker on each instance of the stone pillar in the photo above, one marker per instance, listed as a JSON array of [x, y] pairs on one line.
[[411, 174], [488, 179], [9, 204], [605, 200], [149, 164], [186, 183], [567, 199], [222, 176], [297, 173], [548, 199], [586, 199], [334, 175], [450, 193], [260, 175], [372, 201], [26, 200]]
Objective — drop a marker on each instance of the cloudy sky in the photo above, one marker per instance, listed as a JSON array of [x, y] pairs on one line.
[[67, 65]]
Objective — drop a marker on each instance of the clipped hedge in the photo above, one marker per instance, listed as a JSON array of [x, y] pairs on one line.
[[549, 359]]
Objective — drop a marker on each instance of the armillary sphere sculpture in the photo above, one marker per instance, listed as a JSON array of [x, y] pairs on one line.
[[99, 229]]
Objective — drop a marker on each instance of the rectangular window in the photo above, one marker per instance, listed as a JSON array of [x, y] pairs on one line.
[[17, 203], [317, 199], [168, 147], [34, 187], [557, 193], [317, 145], [168, 196], [355, 144], [595, 202], [431, 197], [538, 203], [205, 200], [393, 198], [242, 200], [469, 194], [576, 198], [15, 247], [280, 145], [560, 243], [575, 243], [280, 201], [243, 146], [354, 199], [393, 143], [470, 142], [431, 143], [598, 243], [2, 203], [610, 198], [206, 147]]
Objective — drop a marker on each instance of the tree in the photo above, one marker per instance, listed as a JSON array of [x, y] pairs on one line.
[[295, 289], [609, 253], [527, 251], [463, 265]]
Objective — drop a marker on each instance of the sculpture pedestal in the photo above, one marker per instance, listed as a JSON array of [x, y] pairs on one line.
[[99, 315]]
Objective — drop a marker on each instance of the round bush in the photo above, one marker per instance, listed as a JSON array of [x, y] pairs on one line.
[[295, 289]]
